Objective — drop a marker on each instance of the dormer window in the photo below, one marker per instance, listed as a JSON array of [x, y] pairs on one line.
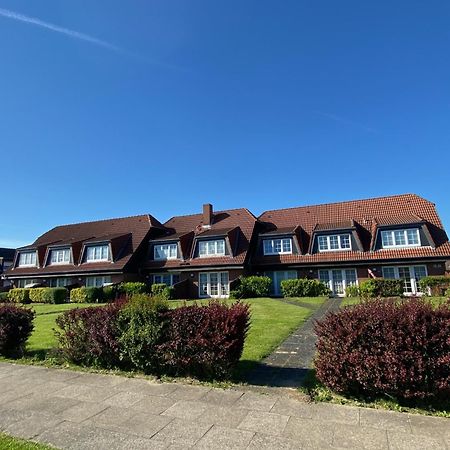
[[60, 256], [97, 253], [211, 248], [165, 251], [334, 242], [400, 238], [27, 259], [277, 246]]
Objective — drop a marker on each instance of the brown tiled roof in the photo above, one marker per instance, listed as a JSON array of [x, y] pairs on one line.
[[367, 215], [125, 234], [225, 223], [343, 225]]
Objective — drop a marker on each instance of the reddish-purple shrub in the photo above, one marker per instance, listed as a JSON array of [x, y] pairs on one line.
[[385, 347], [89, 336], [204, 341], [16, 325]]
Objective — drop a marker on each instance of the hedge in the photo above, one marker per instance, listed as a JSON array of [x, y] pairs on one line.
[[16, 326], [48, 295], [130, 288], [19, 295], [386, 348], [86, 295], [381, 287], [437, 284], [4, 297], [303, 287], [163, 291], [252, 287]]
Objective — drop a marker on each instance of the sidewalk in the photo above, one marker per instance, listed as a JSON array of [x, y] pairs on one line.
[[74, 410]]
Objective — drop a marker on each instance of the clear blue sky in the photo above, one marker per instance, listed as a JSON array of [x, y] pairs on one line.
[[160, 106]]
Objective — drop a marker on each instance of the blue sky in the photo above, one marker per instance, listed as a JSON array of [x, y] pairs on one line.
[[114, 108]]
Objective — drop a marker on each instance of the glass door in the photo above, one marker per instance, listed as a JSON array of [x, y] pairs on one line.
[[338, 282], [213, 284]]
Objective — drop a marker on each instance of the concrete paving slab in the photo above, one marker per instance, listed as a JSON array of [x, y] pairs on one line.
[[225, 439], [86, 393], [291, 407], [188, 392], [146, 387], [256, 402], [144, 425], [123, 399], [385, 420], [223, 416], [153, 404], [264, 422], [309, 433], [32, 425], [182, 432], [189, 410], [354, 437], [408, 441], [346, 415], [82, 411], [265, 442], [222, 397], [111, 416]]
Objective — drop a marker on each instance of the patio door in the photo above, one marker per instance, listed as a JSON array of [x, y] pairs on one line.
[[214, 284], [410, 276], [277, 277], [337, 280]]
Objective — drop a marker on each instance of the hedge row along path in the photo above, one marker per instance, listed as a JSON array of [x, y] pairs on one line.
[[288, 365], [76, 410]]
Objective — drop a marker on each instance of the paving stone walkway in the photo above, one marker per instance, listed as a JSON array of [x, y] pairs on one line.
[[75, 410], [288, 365]]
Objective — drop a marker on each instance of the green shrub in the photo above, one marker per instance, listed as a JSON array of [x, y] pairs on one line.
[[37, 295], [163, 291], [303, 287], [436, 284], [352, 291], [19, 295], [252, 287], [78, 295], [447, 293], [4, 297], [381, 287], [109, 293], [141, 324], [131, 288], [56, 295]]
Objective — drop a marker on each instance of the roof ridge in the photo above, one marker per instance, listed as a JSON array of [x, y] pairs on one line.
[[146, 215], [344, 201], [214, 212]]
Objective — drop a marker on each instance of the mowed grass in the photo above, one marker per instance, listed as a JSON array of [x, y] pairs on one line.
[[11, 443], [435, 301], [272, 321]]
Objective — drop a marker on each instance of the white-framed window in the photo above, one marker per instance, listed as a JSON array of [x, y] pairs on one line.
[[211, 248], [400, 238], [98, 281], [338, 280], [213, 284], [97, 253], [334, 242], [59, 282], [165, 251], [410, 276], [277, 246], [24, 282], [277, 277], [60, 256], [167, 278], [27, 259]]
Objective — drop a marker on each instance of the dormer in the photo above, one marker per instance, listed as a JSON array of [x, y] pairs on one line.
[[27, 257], [59, 255], [213, 243], [279, 241], [335, 237]]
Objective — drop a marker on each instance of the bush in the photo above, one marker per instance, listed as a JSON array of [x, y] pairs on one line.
[[48, 295], [436, 284], [141, 325], [131, 288], [37, 295], [352, 291], [252, 287], [384, 347], [89, 336], [109, 293], [381, 287], [205, 341], [447, 293], [303, 287], [16, 325], [86, 295], [4, 297], [19, 295], [163, 291]]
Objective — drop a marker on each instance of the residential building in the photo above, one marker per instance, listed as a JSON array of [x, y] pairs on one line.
[[202, 254], [85, 254], [6, 260], [343, 243]]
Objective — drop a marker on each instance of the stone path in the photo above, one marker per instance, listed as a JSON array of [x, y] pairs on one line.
[[75, 410], [288, 365]]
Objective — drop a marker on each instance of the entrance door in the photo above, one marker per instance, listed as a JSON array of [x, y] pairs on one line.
[[337, 280], [213, 284], [277, 277], [410, 276]]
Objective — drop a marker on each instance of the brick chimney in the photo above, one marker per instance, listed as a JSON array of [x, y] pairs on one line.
[[207, 215]]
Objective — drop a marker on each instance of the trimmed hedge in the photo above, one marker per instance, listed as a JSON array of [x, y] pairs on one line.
[[142, 333], [131, 288], [251, 287], [303, 287], [381, 287], [16, 326], [110, 293], [163, 291], [86, 295], [55, 295], [352, 291], [383, 347], [4, 297], [437, 284], [19, 295]]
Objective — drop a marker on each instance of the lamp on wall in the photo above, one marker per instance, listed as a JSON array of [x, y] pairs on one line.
[[191, 275]]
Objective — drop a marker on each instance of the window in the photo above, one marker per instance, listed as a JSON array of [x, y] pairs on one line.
[[59, 282], [410, 276], [400, 238], [277, 277], [23, 283], [27, 259], [168, 278], [213, 284], [337, 280], [60, 256], [98, 281], [97, 253], [334, 242], [211, 248], [277, 246], [165, 251]]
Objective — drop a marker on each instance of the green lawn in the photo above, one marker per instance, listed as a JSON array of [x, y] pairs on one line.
[[349, 301], [271, 322], [11, 443]]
